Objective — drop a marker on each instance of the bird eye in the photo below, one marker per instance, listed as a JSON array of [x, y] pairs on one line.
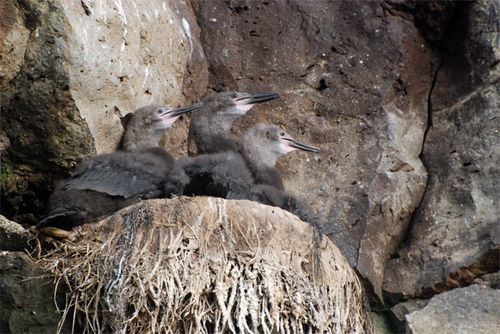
[[159, 110], [235, 95], [282, 134]]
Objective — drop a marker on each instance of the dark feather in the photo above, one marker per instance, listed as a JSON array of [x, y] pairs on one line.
[[267, 175], [126, 174], [110, 182], [270, 195], [71, 208], [215, 144], [221, 175]]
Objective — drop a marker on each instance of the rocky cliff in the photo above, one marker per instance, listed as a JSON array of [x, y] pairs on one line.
[[402, 98]]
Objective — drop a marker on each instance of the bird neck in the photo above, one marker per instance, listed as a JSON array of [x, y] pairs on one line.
[[213, 133], [262, 164], [259, 157], [134, 140]]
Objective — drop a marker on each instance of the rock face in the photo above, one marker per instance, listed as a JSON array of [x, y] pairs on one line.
[[69, 72], [461, 311], [401, 97], [24, 291], [455, 234], [354, 80], [26, 299], [13, 237]]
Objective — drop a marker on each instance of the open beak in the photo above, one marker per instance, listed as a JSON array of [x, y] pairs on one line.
[[171, 113], [255, 98], [289, 141]]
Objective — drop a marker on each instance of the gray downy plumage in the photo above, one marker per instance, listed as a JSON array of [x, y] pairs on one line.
[[109, 182], [223, 174], [211, 124], [261, 146], [220, 170]]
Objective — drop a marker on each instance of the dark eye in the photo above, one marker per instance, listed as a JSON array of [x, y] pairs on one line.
[[282, 134], [159, 110], [235, 95]]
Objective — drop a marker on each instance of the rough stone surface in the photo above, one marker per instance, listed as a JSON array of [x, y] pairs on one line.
[[489, 280], [461, 311], [354, 81], [70, 70], [380, 324], [399, 312], [26, 299], [455, 234], [402, 98], [13, 236]]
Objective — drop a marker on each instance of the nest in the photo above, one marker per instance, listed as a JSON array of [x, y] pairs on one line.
[[205, 265]]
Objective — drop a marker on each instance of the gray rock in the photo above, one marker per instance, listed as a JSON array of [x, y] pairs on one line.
[[70, 71], [13, 236], [455, 233], [26, 298], [489, 280], [380, 324], [461, 311], [399, 312], [354, 80]]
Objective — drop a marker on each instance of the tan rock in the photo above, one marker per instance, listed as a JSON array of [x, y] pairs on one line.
[[121, 55], [69, 70]]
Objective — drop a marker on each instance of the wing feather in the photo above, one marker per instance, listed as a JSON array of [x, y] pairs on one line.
[[125, 174]]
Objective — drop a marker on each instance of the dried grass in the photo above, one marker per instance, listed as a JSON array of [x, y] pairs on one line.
[[138, 274]]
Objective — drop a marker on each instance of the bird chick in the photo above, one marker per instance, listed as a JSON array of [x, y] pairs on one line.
[[262, 145], [211, 124], [109, 182]]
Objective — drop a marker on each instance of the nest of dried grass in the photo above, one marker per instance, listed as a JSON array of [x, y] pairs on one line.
[[206, 265]]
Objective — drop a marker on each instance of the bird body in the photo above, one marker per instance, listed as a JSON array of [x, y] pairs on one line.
[[219, 169], [70, 208], [262, 145], [211, 124], [265, 175], [109, 182], [269, 195], [126, 174], [223, 174]]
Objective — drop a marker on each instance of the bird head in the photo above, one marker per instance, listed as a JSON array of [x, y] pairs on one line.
[[146, 126], [235, 102], [267, 143]]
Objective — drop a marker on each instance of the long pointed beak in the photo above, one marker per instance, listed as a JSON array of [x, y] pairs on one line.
[[256, 98], [170, 113], [298, 145]]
